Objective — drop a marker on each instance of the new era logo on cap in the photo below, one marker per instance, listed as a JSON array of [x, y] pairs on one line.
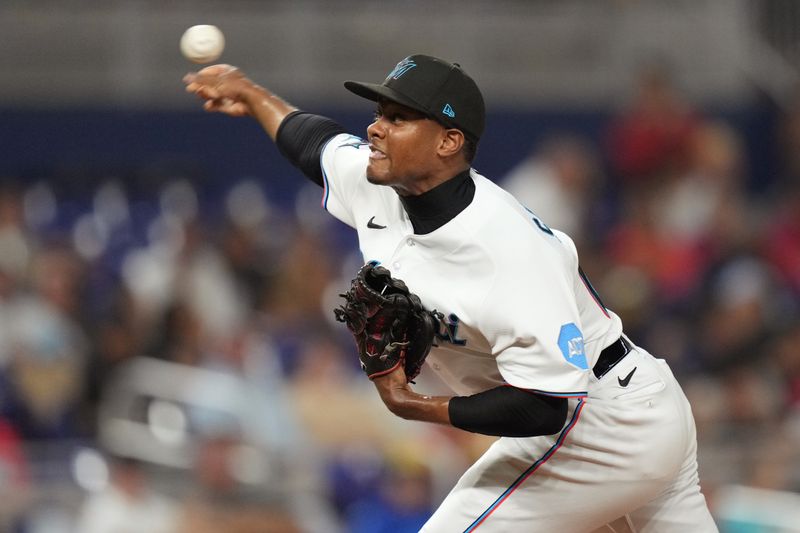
[[434, 87]]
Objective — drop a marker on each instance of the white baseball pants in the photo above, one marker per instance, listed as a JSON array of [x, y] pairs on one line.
[[625, 451]]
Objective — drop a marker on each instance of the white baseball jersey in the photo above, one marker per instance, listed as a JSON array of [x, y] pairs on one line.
[[507, 284], [518, 312]]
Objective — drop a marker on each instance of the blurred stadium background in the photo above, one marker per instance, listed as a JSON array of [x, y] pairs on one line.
[[167, 357]]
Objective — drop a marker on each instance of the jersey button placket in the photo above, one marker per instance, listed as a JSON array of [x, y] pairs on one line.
[[409, 243]]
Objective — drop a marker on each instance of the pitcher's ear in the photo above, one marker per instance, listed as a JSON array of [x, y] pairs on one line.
[[452, 142]]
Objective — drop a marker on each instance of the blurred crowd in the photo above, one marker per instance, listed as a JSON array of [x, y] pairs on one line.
[[170, 367]]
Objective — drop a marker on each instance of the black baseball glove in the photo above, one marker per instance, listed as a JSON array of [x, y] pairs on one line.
[[389, 323]]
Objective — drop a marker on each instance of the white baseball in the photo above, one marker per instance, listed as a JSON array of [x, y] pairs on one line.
[[203, 43]]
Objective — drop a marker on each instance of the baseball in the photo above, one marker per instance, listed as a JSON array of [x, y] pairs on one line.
[[203, 43]]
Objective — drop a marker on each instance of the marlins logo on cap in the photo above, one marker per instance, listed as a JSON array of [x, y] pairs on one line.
[[401, 68]]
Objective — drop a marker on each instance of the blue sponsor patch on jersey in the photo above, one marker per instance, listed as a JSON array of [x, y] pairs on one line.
[[570, 341]]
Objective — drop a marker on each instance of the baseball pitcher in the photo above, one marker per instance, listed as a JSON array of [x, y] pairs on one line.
[[595, 433]]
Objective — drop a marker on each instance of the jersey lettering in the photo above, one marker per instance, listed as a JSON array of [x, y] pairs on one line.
[[353, 142], [541, 225], [448, 331]]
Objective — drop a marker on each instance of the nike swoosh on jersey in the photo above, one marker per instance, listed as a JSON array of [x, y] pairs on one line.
[[372, 225], [623, 382]]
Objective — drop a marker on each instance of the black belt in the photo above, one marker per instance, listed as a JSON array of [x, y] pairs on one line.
[[610, 356]]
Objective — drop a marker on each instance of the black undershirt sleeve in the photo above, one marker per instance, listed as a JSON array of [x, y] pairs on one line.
[[508, 412], [301, 137]]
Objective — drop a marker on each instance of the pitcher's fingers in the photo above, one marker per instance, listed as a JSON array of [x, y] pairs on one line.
[[215, 70], [208, 93], [192, 87], [217, 104]]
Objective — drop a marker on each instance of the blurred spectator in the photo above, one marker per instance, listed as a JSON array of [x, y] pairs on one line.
[[128, 504], [17, 245], [57, 277], [178, 336], [292, 307], [254, 470], [254, 236], [690, 206], [207, 286], [326, 377], [675, 227], [181, 266], [221, 502], [248, 260], [651, 137], [788, 142], [328, 396], [559, 182], [113, 343], [742, 308], [786, 358], [346, 420], [15, 481], [401, 503], [48, 353], [669, 267], [258, 392], [782, 240], [16, 251]]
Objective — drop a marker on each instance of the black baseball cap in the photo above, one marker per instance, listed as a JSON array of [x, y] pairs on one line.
[[440, 89]]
